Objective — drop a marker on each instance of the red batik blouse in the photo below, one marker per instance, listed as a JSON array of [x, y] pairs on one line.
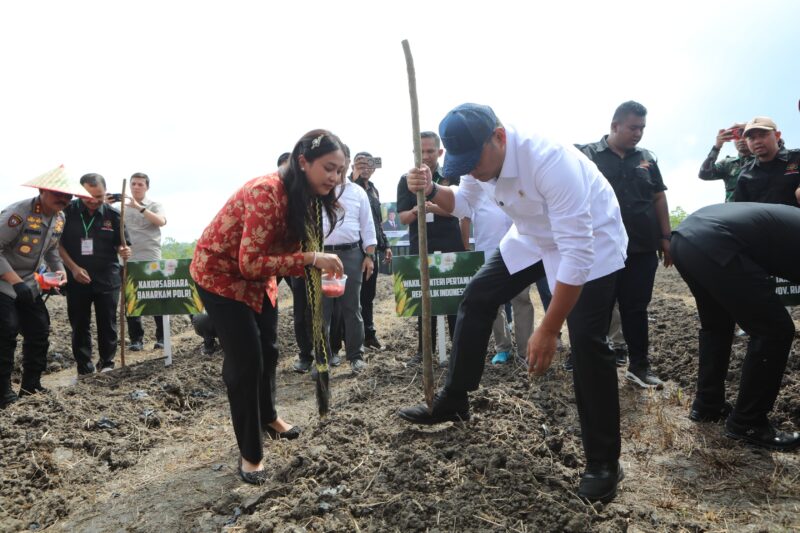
[[245, 246]]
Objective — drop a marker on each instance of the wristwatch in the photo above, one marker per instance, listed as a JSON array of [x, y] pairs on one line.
[[433, 191], [143, 209]]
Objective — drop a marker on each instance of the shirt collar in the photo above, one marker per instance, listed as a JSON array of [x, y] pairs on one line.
[[783, 155], [510, 168], [603, 145], [83, 209]]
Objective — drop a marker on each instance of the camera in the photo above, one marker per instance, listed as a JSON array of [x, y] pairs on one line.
[[371, 162], [114, 197]]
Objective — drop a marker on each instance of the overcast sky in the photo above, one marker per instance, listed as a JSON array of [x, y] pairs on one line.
[[203, 96]]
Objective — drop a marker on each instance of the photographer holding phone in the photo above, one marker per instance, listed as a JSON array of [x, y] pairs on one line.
[[728, 169]]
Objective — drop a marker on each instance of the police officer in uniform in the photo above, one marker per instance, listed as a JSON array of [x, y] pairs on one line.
[[729, 168], [29, 234]]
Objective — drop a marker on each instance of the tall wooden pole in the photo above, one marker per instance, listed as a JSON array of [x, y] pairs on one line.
[[427, 359], [122, 306]]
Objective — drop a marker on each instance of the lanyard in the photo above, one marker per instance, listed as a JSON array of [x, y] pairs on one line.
[[86, 228]]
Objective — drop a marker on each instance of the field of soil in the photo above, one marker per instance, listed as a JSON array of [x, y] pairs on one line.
[[148, 448]]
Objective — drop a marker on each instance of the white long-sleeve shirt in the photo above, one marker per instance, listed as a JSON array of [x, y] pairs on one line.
[[354, 219], [564, 211]]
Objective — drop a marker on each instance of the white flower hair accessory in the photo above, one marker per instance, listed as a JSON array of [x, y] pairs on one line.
[[315, 142]]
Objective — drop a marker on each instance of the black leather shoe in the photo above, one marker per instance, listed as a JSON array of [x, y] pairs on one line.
[[700, 415], [599, 481], [372, 342], [446, 408], [290, 434], [763, 436], [7, 395], [259, 477], [30, 387]]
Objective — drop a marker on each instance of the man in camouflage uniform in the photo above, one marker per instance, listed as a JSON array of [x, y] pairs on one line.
[[29, 234], [728, 169]]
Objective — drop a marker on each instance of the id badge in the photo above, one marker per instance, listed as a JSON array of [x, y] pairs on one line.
[[87, 246], [428, 217]]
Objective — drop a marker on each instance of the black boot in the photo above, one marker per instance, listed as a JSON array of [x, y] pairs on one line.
[[7, 396], [30, 385]]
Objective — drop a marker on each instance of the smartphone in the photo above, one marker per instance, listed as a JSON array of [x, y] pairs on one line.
[[114, 197], [737, 133]]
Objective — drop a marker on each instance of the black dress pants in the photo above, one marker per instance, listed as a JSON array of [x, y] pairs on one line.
[[136, 331], [594, 374], [302, 319], [33, 322], [250, 343], [368, 288], [634, 292], [738, 292], [79, 309]]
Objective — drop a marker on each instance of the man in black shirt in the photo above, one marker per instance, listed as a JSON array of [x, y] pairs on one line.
[[633, 173], [89, 247], [773, 176], [725, 253], [443, 230]]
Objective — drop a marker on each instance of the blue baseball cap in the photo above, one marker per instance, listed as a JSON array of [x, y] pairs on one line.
[[464, 131]]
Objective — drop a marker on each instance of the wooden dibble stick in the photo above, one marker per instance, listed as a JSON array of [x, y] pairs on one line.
[[427, 359], [124, 276]]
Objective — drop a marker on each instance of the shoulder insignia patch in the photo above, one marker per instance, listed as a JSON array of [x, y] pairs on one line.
[[14, 221]]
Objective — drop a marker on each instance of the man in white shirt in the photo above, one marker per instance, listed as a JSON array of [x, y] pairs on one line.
[[567, 223], [353, 239]]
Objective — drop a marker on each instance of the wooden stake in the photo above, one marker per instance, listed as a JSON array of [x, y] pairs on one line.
[[427, 359], [122, 308]]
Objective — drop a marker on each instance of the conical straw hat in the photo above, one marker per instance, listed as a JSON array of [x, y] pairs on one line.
[[58, 181]]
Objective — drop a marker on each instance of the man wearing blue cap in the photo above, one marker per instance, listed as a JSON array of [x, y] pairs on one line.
[[567, 224]]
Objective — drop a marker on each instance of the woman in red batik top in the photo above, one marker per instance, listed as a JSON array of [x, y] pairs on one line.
[[256, 236]]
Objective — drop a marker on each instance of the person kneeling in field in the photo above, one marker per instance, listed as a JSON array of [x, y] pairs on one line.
[[726, 253]]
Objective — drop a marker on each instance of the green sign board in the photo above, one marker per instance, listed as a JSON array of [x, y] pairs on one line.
[[788, 292], [161, 288], [449, 275]]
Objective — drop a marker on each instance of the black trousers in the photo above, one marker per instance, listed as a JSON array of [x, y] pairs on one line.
[[79, 309], [634, 292], [739, 292], [594, 374], [368, 288], [136, 331], [33, 322], [451, 326], [302, 319], [250, 343]]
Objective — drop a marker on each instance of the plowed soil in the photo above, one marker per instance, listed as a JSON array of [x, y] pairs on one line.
[[150, 448]]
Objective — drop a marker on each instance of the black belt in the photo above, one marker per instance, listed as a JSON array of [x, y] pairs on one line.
[[341, 247]]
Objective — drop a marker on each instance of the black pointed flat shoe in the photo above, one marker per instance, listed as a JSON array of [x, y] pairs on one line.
[[290, 434], [259, 477], [445, 409]]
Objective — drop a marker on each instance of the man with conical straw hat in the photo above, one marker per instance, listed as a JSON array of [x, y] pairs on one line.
[[29, 234]]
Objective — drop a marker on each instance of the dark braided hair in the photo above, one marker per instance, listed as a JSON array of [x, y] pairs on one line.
[[312, 145]]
